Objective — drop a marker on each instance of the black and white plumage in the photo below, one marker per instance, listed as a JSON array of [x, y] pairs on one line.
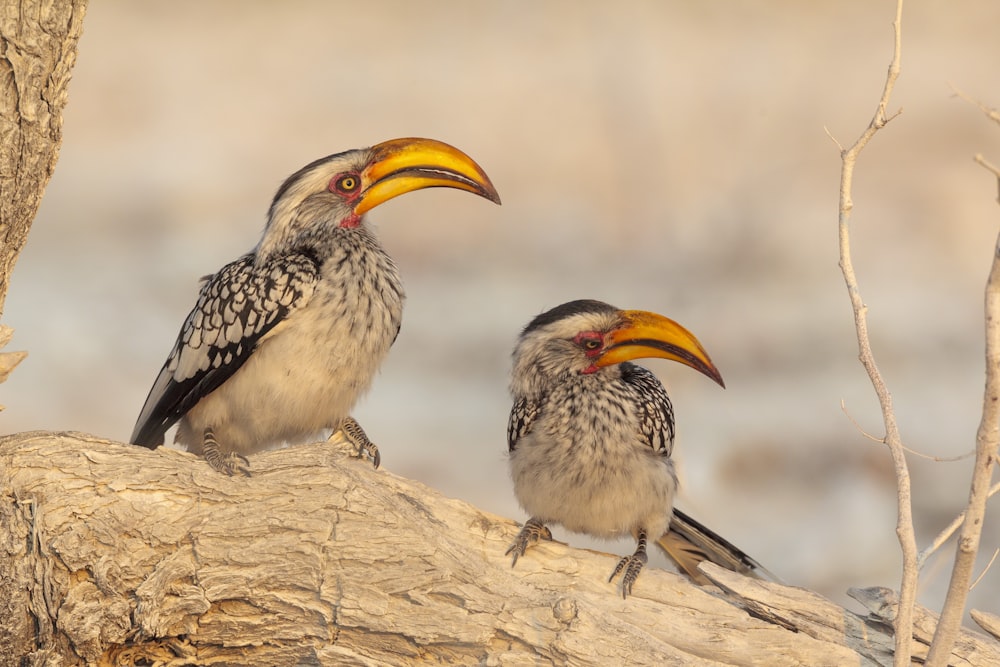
[[591, 434], [283, 341]]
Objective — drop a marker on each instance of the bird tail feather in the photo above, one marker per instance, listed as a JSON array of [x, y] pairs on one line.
[[688, 543]]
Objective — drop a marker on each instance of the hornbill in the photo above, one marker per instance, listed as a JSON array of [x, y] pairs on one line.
[[283, 341], [590, 435]]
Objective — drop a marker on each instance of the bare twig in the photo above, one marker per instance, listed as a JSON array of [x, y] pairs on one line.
[[881, 440], [991, 168], [948, 532], [992, 114], [986, 569], [874, 438], [940, 459], [904, 518], [987, 438]]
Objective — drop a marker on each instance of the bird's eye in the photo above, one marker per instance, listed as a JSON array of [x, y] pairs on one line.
[[346, 183], [591, 342]]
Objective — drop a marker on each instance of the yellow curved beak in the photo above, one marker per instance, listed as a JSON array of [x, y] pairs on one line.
[[648, 335], [404, 165]]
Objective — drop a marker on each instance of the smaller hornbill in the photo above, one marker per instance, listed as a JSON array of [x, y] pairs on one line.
[[591, 434]]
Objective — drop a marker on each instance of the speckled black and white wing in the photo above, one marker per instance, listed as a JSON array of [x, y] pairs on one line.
[[237, 307], [656, 413], [522, 416]]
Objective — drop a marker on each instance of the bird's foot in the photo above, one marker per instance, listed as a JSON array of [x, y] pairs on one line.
[[356, 435], [631, 566], [229, 463], [532, 531]]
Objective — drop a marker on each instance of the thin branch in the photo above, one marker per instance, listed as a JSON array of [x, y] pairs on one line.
[[982, 161], [836, 142], [881, 441], [985, 569], [940, 459], [987, 438], [992, 114], [986, 163], [862, 431], [943, 536], [904, 518]]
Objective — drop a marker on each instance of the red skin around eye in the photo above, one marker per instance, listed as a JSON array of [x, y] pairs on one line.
[[351, 221], [584, 337]]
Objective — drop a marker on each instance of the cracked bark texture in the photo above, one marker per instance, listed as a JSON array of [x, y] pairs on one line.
[[38, 42], [113, 554]]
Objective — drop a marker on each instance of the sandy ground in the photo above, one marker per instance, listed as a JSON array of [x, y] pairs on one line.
[[669, 156]]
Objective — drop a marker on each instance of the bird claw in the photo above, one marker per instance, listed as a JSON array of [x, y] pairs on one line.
[[234, 464], [533, 531], [631, 566], [229, 463], [356, 436]]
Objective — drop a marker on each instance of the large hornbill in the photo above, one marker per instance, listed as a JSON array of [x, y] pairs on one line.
[[591, 434], [283, 341]]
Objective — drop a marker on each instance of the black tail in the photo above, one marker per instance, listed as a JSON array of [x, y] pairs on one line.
[[687, 543]]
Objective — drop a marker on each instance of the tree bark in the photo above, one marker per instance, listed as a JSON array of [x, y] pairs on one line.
[[115, 554], [38, 42]]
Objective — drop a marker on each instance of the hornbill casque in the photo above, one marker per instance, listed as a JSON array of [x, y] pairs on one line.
[[590, 436], [284, 340]]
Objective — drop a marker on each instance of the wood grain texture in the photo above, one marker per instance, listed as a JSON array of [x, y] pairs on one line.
[[115, 554]]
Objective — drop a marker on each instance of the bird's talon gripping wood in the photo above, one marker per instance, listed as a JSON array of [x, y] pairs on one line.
[[590, 434], [283, 341], [229, 463], [632, 566], [532, 531], [356, 436]]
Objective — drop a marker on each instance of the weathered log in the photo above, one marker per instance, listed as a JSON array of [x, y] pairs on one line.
[[114, 554]]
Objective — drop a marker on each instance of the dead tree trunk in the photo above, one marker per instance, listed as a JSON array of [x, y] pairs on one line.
[[37, 52], [114, 554]]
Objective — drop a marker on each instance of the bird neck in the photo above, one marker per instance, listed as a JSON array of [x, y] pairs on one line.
[[536, 376], [323, 240]]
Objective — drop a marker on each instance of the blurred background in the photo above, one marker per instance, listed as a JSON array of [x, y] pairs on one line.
[[668, 156]]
